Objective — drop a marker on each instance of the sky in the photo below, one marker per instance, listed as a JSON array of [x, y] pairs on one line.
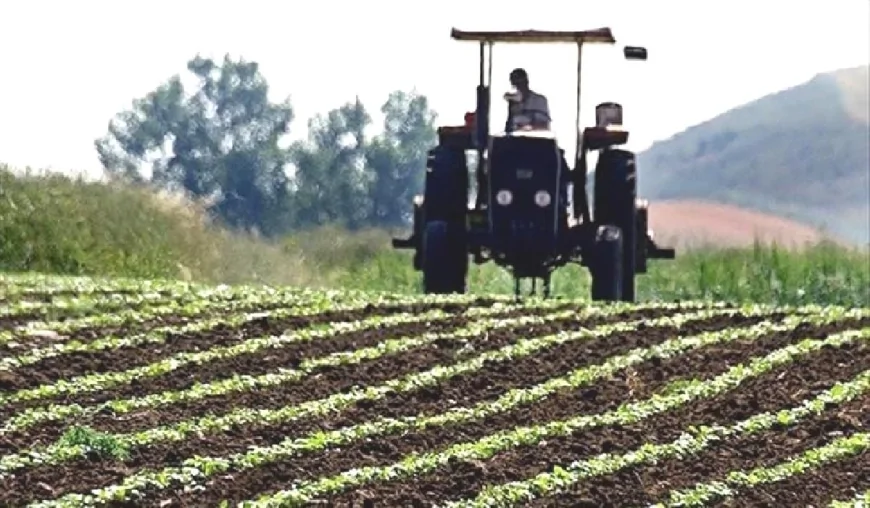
[[71, 66]]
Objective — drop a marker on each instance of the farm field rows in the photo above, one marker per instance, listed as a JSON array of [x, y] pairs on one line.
[[127, 393]]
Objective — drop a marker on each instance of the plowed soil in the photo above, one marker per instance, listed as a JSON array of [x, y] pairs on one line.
[[783, 387], [770, 392]]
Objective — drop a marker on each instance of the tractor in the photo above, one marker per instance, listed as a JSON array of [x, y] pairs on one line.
[[521, 218]]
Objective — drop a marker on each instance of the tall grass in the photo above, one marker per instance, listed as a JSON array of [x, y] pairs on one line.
[[57, 224], [820, 273]]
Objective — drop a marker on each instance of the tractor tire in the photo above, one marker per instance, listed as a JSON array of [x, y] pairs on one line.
[[616, 185], [445, 259], [606, 266]]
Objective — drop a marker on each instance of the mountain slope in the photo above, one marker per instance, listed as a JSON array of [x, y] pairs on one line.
[[801, 153], [685, 224]]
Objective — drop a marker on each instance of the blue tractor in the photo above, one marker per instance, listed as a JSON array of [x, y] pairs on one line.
[[521, 218]]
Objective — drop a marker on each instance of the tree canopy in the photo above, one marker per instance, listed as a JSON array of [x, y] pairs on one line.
[[223, 141]]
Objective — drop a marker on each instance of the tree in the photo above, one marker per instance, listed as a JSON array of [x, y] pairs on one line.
[[397, 157], [221, 142], [331, 177]]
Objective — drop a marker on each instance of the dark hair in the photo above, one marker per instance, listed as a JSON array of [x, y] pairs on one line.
[[519, 74]]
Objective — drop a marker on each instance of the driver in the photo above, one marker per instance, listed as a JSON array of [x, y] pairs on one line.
[[529, 109]]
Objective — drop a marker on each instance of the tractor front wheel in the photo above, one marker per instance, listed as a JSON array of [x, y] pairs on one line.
[[606, 265], [445, 259]]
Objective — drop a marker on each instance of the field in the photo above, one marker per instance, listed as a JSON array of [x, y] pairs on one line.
[[117, 392]]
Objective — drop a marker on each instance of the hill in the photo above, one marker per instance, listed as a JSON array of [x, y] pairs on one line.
[[688, 223], [801, 153]]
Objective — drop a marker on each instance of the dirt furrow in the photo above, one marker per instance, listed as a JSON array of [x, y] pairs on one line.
[[327, 382], [496, 379], [186, 376], [783, 387], [54, 311], [605, 395], [323, 383], [818, 487], [30, 293], [130, 326], [636, 384], [641, 486], [331, 380], [80, 363], [460, 393]]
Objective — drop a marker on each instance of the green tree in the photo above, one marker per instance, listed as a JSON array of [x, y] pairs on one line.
[[397, 157], [221, 142], [331, 174]]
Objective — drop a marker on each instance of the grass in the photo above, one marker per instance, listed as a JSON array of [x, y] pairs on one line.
[[56, 224], [821, 273]]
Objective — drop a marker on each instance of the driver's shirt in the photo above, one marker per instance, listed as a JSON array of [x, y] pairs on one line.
[[533, 108]]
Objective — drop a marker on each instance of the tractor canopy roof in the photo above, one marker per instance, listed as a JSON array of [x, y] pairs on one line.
[[598, 35]]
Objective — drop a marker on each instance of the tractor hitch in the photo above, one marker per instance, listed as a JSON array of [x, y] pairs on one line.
[[405, 243], [656, 252]]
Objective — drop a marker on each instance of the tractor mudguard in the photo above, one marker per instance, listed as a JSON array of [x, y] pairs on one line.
[[616, 204], [446, 194]]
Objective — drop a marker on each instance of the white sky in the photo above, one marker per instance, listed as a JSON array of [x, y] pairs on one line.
[[70, 66]]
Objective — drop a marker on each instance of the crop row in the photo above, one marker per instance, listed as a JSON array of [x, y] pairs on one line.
[[209, 311], [101, 381], [80, 305], [104, 380], [184, 304], [861, 500], [29, 337], [240, 382], [15, 286], [840, 448], [257, 302], [516, 493], [289, 306], [197, 469]]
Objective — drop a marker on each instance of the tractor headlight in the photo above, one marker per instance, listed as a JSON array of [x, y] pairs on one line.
[[418, 200], [504, 197], [542, 198]]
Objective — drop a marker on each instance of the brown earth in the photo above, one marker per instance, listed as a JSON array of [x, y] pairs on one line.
[[82, 363], [689, 223], [783, 387], [238, 440]]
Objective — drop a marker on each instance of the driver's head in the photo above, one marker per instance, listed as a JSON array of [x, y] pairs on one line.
[[520, 79]]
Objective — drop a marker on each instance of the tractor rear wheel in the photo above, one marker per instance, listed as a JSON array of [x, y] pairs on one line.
[[606, 265], [616, 204], [445, 258]]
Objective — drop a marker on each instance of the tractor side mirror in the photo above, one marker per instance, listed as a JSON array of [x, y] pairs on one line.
[[634, 52]]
